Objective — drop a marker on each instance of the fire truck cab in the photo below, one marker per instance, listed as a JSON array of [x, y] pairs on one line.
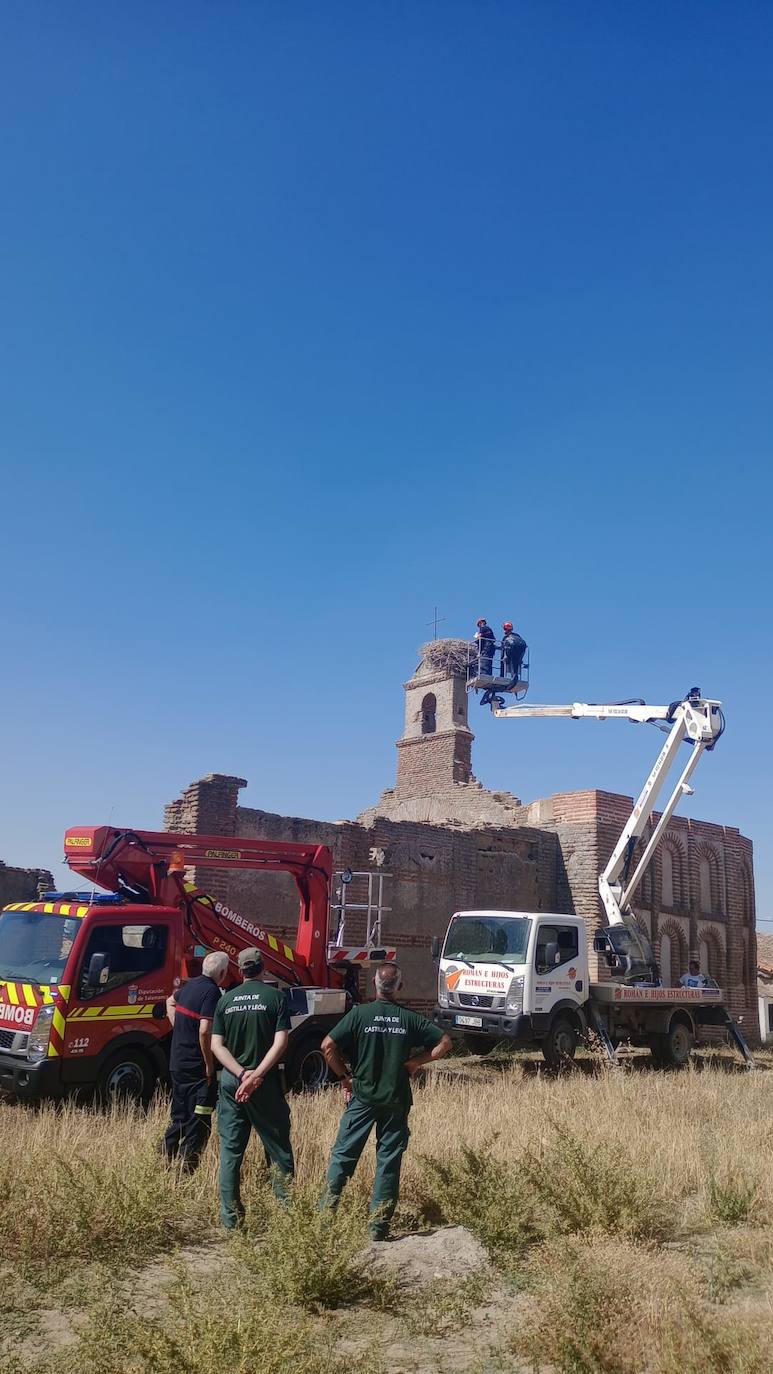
[[84, 977]]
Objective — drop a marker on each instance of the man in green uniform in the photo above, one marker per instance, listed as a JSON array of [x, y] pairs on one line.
[[249, 1037], [380, 1040]]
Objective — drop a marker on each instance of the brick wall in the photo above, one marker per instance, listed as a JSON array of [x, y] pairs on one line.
[[717, 908], [434, 870], [432, 761], [22, 884], [207, 807]]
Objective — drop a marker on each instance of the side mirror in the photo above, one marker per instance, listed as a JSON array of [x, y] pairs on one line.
[[96, 975], [600, 942], [436, 947], [159, 1011]]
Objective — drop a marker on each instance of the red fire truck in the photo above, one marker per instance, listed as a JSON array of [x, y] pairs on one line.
[[84, 977]]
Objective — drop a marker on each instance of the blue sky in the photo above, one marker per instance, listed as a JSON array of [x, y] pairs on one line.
[[316, 316]]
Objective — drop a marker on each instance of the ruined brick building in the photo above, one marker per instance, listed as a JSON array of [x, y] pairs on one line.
[[449, 843], [23, 884]]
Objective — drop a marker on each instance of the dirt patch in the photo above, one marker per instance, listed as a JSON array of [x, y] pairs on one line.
[[451, 1252]]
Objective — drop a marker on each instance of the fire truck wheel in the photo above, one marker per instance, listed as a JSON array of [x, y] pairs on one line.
[[560, 1043], [306, 1069], [128, 1075]]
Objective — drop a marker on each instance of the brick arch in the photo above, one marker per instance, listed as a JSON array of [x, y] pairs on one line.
[[747, 893], [716, 953], [679, 954], [673, 846], [708, 876]]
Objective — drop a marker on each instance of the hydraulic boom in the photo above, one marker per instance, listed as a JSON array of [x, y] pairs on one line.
[[696, 721], [149, 866]]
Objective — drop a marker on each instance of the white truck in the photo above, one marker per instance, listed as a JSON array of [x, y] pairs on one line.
[[524, 976]]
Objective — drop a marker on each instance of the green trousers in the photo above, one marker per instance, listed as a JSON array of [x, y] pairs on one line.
[[267, 1113], [392, 1136]]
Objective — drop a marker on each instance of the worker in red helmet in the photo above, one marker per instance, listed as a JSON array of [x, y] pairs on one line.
[[513, 649], [486, 642]]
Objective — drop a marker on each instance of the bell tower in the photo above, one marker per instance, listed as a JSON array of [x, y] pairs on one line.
[[436, 745]]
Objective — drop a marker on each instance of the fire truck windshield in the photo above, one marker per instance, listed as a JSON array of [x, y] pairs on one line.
[[34, 946]]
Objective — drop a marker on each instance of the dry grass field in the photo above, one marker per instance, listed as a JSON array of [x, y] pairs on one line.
[[627, 1218]]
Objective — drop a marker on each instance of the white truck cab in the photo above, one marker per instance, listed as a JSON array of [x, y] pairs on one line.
[[511, 975]]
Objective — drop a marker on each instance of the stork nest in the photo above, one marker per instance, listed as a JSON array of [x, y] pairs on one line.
[[448, 655]]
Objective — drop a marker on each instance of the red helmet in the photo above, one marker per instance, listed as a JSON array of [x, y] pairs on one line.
[[508, 625], [482, 620]]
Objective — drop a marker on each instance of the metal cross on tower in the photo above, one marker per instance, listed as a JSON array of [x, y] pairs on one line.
[[435, 621]]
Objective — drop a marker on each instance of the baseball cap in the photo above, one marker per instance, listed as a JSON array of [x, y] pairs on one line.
[[250, 958]]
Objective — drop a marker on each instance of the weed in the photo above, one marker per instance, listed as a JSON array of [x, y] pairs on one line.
[[438, 1310], [732, 1198], [306, 1256], [605, 1306], [226, 1326], [482, 1192], [582, 1189]]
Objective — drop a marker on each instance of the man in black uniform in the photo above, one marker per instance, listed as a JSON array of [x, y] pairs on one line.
[[486, 642], [191, 1066], [513, 650]]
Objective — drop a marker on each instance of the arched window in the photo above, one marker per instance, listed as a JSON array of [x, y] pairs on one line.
[[672, 873], [708, 881], [711, 956], [429, 714], [704, 872], [665, 961], [668, 876], [673, 954]]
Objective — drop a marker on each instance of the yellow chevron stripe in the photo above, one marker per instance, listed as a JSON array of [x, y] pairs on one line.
[[81, 911], [47, 996], [48, 908], [27, 906], [57, 1021], [64, 909], [64, 991], [29, 995], [53, 1052], [12, 906], [288, 952], [110, 1013], [13, 995], [273, 943]]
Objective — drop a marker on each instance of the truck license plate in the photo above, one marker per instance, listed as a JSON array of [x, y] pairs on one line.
[[468, 1020]]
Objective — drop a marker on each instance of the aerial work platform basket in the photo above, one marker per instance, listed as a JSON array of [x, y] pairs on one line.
[[497, 686]]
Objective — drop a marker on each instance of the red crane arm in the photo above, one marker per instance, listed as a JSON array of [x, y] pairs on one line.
[[149, 866]]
